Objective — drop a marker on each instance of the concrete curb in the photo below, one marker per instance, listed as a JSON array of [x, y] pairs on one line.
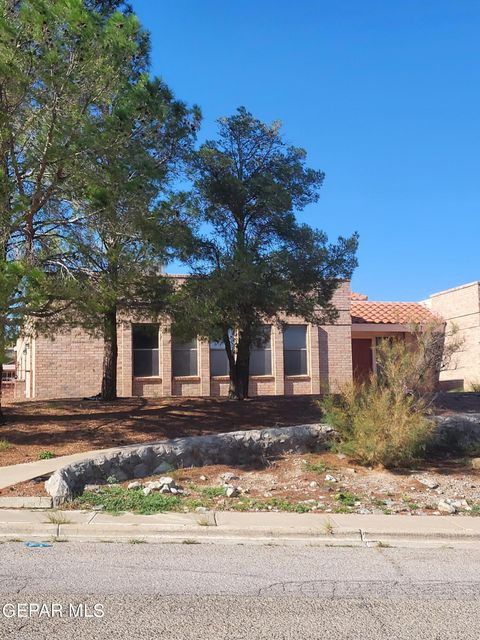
[[241, 528]]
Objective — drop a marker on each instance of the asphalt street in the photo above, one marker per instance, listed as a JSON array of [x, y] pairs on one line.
[[200, 591]]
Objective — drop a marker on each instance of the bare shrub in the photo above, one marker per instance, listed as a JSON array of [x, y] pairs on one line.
[[384, 421]]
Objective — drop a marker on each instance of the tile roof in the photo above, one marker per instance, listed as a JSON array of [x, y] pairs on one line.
[[389, 312], [358, 296]]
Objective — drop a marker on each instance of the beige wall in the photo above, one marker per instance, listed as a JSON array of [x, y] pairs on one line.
[[70, 365], [460, 307]]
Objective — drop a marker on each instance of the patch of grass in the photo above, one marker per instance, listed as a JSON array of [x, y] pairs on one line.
[[271, 504], [46, 455], [57, 517], [112, 480], [328, 528], [190, 541], [205, 522], [475, 509], [116, 499], [383, 545], [137, 541], [346, 498], [316, 467], [5, 445], [213, 492], [408, 502]]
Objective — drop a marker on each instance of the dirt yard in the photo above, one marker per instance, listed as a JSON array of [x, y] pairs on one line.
[[327, 482], [71, 426]]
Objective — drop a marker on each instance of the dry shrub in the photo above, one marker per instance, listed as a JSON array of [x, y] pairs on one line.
[[377, 426], [384, 421]]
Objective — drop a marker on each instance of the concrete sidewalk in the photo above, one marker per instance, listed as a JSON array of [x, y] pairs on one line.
[[233, 527], [16, 473]]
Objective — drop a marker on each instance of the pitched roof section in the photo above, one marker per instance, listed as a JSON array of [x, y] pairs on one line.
[[358, 296], [389, 312]]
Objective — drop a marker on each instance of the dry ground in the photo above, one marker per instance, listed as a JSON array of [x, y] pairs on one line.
[[71, 426], [68, 426]]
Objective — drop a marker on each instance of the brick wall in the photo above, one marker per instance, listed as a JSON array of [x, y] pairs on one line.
[[71, 364], [460, 307]]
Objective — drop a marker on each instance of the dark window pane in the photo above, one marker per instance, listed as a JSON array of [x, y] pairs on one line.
[[185, 362], [218, 362], [295, 337], [145, 336], [145, 362], [295, 362], [261, 362], [178, 344]]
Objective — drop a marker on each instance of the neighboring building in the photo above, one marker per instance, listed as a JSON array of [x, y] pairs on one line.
[[303, 359], [460, 307]]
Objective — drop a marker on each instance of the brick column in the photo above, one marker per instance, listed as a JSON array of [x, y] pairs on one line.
[[277, 356], [204, 367], [165, 344], [125, 361], [314, 359]]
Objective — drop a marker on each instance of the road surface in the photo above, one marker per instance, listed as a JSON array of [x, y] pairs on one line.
[[203, 591]]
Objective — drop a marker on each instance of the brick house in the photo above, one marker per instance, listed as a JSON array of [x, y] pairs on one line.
[[303, 359]]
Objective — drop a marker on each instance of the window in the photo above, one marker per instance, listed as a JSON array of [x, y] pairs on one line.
[[218, 359], [145, 350], [184, 358], [295, 350], [261, 354]]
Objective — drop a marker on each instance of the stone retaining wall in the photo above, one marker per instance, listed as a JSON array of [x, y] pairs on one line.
[[235, 448]]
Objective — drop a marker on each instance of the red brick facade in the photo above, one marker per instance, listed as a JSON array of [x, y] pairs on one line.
[[70, 364]]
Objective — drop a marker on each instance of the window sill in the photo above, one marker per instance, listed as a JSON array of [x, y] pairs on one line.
[[149, 378], [220, 378], [186, 378], [265, 378], [298, 377]]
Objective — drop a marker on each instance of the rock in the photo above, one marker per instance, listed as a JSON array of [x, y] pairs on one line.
[[98, 507], [475, 463], [147, 491], [203, 478], [163, 467], [134, 485], [313, 484], [155, 485], [364, 511], [166, 481], [428, 482], [341, 456], [140, 471], [228, 477], [201, 509], [231, 492], [58, 487], [330, 478], [91, 487], [445, 507], [461, 504]]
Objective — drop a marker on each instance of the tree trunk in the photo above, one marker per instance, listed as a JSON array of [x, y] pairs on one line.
[[110, 356], [2, 416], [239, 371]]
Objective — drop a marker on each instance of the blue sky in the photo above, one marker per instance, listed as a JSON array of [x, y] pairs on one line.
[[385, 98]]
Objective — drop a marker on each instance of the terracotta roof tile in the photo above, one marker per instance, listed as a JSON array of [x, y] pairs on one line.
[[358, 296], [390, 312]]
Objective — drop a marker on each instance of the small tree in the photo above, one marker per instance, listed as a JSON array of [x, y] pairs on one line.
[[60, 63], [125, 230], [254, 262]]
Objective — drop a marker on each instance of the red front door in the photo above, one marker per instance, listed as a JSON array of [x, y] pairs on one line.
[[362, 359]]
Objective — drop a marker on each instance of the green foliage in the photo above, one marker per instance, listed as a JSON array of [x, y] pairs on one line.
[[254, 262], [5, 445], [46, 455], [117, 499], [346, 498], [378, 425], [316, 467], [213, 492]]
